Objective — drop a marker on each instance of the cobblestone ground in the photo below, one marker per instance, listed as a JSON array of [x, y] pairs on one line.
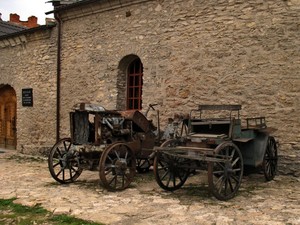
[[257, 202]]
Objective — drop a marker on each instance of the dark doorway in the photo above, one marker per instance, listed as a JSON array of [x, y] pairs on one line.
[[8, 105]]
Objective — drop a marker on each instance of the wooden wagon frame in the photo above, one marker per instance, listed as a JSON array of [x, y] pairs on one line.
[[220, 143]]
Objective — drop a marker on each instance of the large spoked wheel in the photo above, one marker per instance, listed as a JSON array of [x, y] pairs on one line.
[[270, 159], [226, 172], [64, 162], [170, 172], [117, 167], [143, 165]]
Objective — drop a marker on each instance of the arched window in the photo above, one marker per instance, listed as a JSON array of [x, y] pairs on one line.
[[135, 85]]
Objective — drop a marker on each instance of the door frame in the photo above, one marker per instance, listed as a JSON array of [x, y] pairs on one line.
[[8, 117]]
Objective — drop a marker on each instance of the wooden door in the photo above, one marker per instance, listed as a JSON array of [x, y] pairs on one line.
[[7, 118]]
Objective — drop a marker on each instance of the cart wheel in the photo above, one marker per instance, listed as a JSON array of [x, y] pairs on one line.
[[225, 176], [270, 159], [63, 162], [143, 165], [170, 172], [117, 167]]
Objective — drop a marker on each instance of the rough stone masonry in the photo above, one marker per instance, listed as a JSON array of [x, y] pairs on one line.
[[193, 52]]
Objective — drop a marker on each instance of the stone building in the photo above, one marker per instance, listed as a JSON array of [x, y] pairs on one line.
[[128, 53], [28, 62]]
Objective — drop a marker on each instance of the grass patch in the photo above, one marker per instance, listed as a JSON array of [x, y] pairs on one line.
[[11, 213], [63, 219]]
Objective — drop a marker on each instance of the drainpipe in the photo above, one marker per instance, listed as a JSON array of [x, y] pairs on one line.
[[58, 75]]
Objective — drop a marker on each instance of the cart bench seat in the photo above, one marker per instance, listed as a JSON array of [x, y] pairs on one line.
[[200, 128], [196, 122]]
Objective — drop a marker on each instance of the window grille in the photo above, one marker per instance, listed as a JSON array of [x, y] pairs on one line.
[[134, 85]]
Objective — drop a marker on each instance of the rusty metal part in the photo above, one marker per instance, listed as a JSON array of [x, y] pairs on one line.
[[139, 120], [64, 162], [117, 167], [108, 138]]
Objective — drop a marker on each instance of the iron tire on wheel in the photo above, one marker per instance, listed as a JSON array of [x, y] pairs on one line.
[[117, 167], [63, 162], [170, 172], [270, 159], [225, 177]]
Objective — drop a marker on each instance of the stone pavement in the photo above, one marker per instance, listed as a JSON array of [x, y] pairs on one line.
[[257, 202]]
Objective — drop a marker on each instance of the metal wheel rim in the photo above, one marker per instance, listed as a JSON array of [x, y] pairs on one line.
[[169, 171], [270, 159], [64, 162], [224, 178], [117, 167]]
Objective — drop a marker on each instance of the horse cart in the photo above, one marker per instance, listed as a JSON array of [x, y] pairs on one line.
[[219, 144], [116, 143]]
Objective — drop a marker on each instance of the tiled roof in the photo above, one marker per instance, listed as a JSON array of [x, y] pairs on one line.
[[27, 31], [8, 28]]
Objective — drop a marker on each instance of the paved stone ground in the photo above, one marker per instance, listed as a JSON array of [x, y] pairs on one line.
[[257, 202]]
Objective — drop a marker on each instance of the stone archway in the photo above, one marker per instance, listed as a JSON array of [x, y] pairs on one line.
[[8, 105]]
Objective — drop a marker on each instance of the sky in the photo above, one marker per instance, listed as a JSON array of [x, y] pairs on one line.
[[25, 9]]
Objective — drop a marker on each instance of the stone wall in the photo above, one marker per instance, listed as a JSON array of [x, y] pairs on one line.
[[29, 61], [193, 52]]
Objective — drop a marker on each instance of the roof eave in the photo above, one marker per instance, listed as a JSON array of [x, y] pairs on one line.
[[70, 6]]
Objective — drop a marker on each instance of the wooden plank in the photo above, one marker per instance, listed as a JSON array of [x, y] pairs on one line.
[[199, 135], [183, 149]]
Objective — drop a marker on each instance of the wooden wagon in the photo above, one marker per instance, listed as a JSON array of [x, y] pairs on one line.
[[220, 143]]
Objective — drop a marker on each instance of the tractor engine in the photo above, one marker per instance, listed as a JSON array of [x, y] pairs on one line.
[[114, 128], [96, 126]]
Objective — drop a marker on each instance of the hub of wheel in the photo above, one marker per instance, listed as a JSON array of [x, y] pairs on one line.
[[121, 166]]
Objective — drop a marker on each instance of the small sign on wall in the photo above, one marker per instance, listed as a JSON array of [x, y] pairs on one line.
[[27, 97]]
